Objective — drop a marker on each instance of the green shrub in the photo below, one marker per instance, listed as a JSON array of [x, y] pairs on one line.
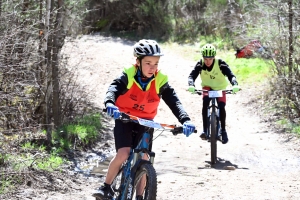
[[82, 131]]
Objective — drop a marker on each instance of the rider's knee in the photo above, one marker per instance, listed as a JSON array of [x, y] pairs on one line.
[[122, 154]]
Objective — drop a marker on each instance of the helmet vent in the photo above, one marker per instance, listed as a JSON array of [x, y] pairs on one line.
[[157, 48], [148, 52], [152, 51], [139, 50]]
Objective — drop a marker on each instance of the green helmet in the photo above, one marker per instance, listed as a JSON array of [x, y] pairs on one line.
[[208, 51]]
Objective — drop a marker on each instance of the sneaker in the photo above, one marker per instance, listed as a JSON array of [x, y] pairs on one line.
[[104, 193], [224, 137], [203, 136], [139, 197]]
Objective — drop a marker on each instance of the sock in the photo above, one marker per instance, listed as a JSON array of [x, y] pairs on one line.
[[106, 185]]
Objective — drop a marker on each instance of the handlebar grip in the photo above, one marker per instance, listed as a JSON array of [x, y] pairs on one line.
[[179, 129], [199, 92]]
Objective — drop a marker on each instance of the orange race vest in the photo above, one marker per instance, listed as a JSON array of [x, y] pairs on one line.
[[141, 103]]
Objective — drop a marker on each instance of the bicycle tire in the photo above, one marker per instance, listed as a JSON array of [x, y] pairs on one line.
[[213, 137], [150, 190], [208, 128]]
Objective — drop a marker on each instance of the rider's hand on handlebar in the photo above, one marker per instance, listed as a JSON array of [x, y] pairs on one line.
[[188, 128], [192, 89], [112, 110], [235, 89]]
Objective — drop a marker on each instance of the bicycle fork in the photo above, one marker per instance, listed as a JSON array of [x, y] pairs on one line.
[[144, 146]]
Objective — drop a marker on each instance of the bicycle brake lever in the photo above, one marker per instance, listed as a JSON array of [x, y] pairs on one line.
[[177, 130], [124, 116], [199, 92]]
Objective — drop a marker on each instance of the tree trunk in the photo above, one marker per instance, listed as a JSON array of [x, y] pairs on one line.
[[55, 77], [291, 49], [0, 7], [48, 70]]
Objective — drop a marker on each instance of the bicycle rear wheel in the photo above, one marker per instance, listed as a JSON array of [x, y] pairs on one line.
[[213, 137], [146, 182]]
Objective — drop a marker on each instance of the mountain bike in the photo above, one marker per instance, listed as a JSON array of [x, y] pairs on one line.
[[137, 173], [213, 120]]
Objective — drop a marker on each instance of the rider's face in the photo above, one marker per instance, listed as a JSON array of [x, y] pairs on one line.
[[149, 65], [209, 61]]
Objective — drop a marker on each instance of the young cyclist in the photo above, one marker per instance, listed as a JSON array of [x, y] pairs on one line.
[[213, 74], [138, 92]]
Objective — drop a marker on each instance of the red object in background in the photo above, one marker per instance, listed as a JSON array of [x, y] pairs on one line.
[[247, 51], [243, 53]]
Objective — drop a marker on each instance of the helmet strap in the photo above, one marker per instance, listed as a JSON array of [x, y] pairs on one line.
[[140, 67]]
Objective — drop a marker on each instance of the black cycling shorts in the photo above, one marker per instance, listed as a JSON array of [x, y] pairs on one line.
[[129, 134]]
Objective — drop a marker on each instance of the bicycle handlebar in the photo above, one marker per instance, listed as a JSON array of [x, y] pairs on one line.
[[200, 91], [174, 129]]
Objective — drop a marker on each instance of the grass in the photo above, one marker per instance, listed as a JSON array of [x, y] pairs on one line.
[[296, 130], [293, 127], [21, 162], [85, 129], [247, 71], [53, 162], [5, 184], [82, 131], [30, 146]]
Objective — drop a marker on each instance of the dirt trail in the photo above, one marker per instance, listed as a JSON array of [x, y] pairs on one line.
[[267, 165]]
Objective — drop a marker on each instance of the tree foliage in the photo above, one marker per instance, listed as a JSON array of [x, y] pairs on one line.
[[34, 84]]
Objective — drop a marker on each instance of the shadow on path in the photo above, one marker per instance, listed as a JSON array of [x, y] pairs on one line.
[[222, 164]]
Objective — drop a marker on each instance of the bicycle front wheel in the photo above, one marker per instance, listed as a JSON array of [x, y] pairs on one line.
[[145, 182], [213, 137]]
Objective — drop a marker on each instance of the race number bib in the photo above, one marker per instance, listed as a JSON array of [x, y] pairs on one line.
[[215, 93], [149, 123]]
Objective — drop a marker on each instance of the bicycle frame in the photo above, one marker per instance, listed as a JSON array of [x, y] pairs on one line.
[[129, 170], [132, 164]]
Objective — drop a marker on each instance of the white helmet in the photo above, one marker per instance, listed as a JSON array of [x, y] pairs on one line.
[[146, 48]]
